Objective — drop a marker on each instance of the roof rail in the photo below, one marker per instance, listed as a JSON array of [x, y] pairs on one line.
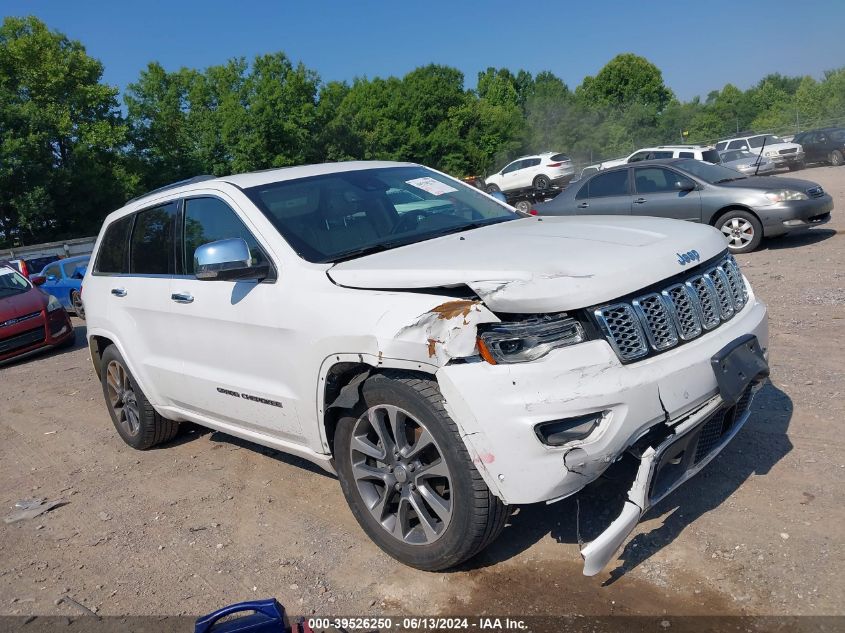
[[173, 185]]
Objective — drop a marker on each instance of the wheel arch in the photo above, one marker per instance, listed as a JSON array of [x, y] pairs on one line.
[[340, 380], [733, 207], [97, 344]]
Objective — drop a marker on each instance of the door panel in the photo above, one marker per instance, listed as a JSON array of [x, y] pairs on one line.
[[656, 195], [607, 194], [231, 335]]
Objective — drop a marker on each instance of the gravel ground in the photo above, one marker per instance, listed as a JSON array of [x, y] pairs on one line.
[[209, 519]]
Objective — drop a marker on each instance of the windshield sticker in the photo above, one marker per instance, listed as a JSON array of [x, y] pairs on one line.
[[432, 186]]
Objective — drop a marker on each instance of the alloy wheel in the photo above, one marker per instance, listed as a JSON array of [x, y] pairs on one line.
[[738, 231], [401, 474], [122, 398]]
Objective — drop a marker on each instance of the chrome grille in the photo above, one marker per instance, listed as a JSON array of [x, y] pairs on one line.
[[682, 311], [623, 330], [25, 317], [708, 301], [682, 306], [659, 325]]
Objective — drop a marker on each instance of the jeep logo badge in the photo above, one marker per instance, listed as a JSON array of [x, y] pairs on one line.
[[688, 257]]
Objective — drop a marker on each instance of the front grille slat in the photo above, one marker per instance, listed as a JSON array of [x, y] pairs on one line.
[[815, 192], [681, 311], [622, 329]]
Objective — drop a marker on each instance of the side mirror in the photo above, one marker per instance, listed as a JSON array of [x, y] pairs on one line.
[[226, 260], [38, 280], [684, 185], [500, 196], [50, 278]]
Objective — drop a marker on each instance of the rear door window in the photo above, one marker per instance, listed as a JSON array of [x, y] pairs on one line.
[[721, 145], [111, 258], [711, 156], [614, 183], [737, 145], [151, 249], [686, 155]]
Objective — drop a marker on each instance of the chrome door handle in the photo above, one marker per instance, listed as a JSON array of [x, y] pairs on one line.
[[640, 201], [182, 297], [583, 205], [118, 292]]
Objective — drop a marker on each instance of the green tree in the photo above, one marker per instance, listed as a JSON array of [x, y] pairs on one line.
[[61, 133], [624, 80]]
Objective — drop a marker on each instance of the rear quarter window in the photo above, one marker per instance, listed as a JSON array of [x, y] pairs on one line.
[[111, 259], [711, 156], [559, 158]]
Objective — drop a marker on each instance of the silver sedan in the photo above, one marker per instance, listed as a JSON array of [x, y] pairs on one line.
[[746, 163]]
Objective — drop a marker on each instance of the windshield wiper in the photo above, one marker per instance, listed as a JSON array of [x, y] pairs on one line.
[[729, 179], [360, 252], [472, 225]]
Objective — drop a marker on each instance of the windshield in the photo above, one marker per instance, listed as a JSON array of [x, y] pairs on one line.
[[771, 139], [736, 154], [347, 214], [12, 282], [709, 172]]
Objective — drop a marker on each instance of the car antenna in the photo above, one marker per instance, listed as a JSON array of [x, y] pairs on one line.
[[760, 155]]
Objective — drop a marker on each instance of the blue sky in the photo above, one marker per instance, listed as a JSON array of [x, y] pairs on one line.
[[699, 46]]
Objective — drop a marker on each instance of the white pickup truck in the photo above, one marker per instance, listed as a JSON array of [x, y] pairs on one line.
[[446, 360]]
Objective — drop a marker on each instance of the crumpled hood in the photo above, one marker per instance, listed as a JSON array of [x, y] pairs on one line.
[[540, 265]]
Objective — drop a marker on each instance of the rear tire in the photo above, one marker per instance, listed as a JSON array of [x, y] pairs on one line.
[[425, 504], [742, 229], [133, 416], [542, 182], [836, 158]]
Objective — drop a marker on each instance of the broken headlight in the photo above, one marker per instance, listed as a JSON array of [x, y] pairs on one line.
[[529, 339]]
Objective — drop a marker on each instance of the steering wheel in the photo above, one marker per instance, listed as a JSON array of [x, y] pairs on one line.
[[407, 221]]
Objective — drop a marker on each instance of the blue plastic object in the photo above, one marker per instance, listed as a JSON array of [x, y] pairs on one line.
[[268, 617]]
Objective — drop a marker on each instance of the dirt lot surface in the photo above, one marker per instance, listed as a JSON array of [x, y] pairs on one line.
[[209, 520]]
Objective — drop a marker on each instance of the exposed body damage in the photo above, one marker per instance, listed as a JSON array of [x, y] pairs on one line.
[[448, 330]]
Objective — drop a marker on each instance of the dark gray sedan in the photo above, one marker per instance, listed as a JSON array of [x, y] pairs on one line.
[[745, 209]]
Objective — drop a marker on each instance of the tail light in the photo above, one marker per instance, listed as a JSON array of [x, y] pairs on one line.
[[554, 164], [533, 212], [24, 269]]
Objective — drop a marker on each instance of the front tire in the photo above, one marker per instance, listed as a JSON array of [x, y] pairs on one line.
[[523, 205], [492, 188], [133, 416], [742, 229], [408, 477], [836, 158]]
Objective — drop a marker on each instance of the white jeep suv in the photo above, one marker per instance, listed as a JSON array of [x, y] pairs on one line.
[[446, 361], [698, 152], [778, 151], [540, 171]]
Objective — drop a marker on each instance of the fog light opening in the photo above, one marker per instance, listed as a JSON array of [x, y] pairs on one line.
[[560, 432]]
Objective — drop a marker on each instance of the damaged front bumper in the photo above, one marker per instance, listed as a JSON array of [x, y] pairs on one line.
[[692, 444]]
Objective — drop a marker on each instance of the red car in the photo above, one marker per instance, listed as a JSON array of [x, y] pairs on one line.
[[30, 319]]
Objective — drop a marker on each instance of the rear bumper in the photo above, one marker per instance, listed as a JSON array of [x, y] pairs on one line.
[[788, 216], [49, 329]]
